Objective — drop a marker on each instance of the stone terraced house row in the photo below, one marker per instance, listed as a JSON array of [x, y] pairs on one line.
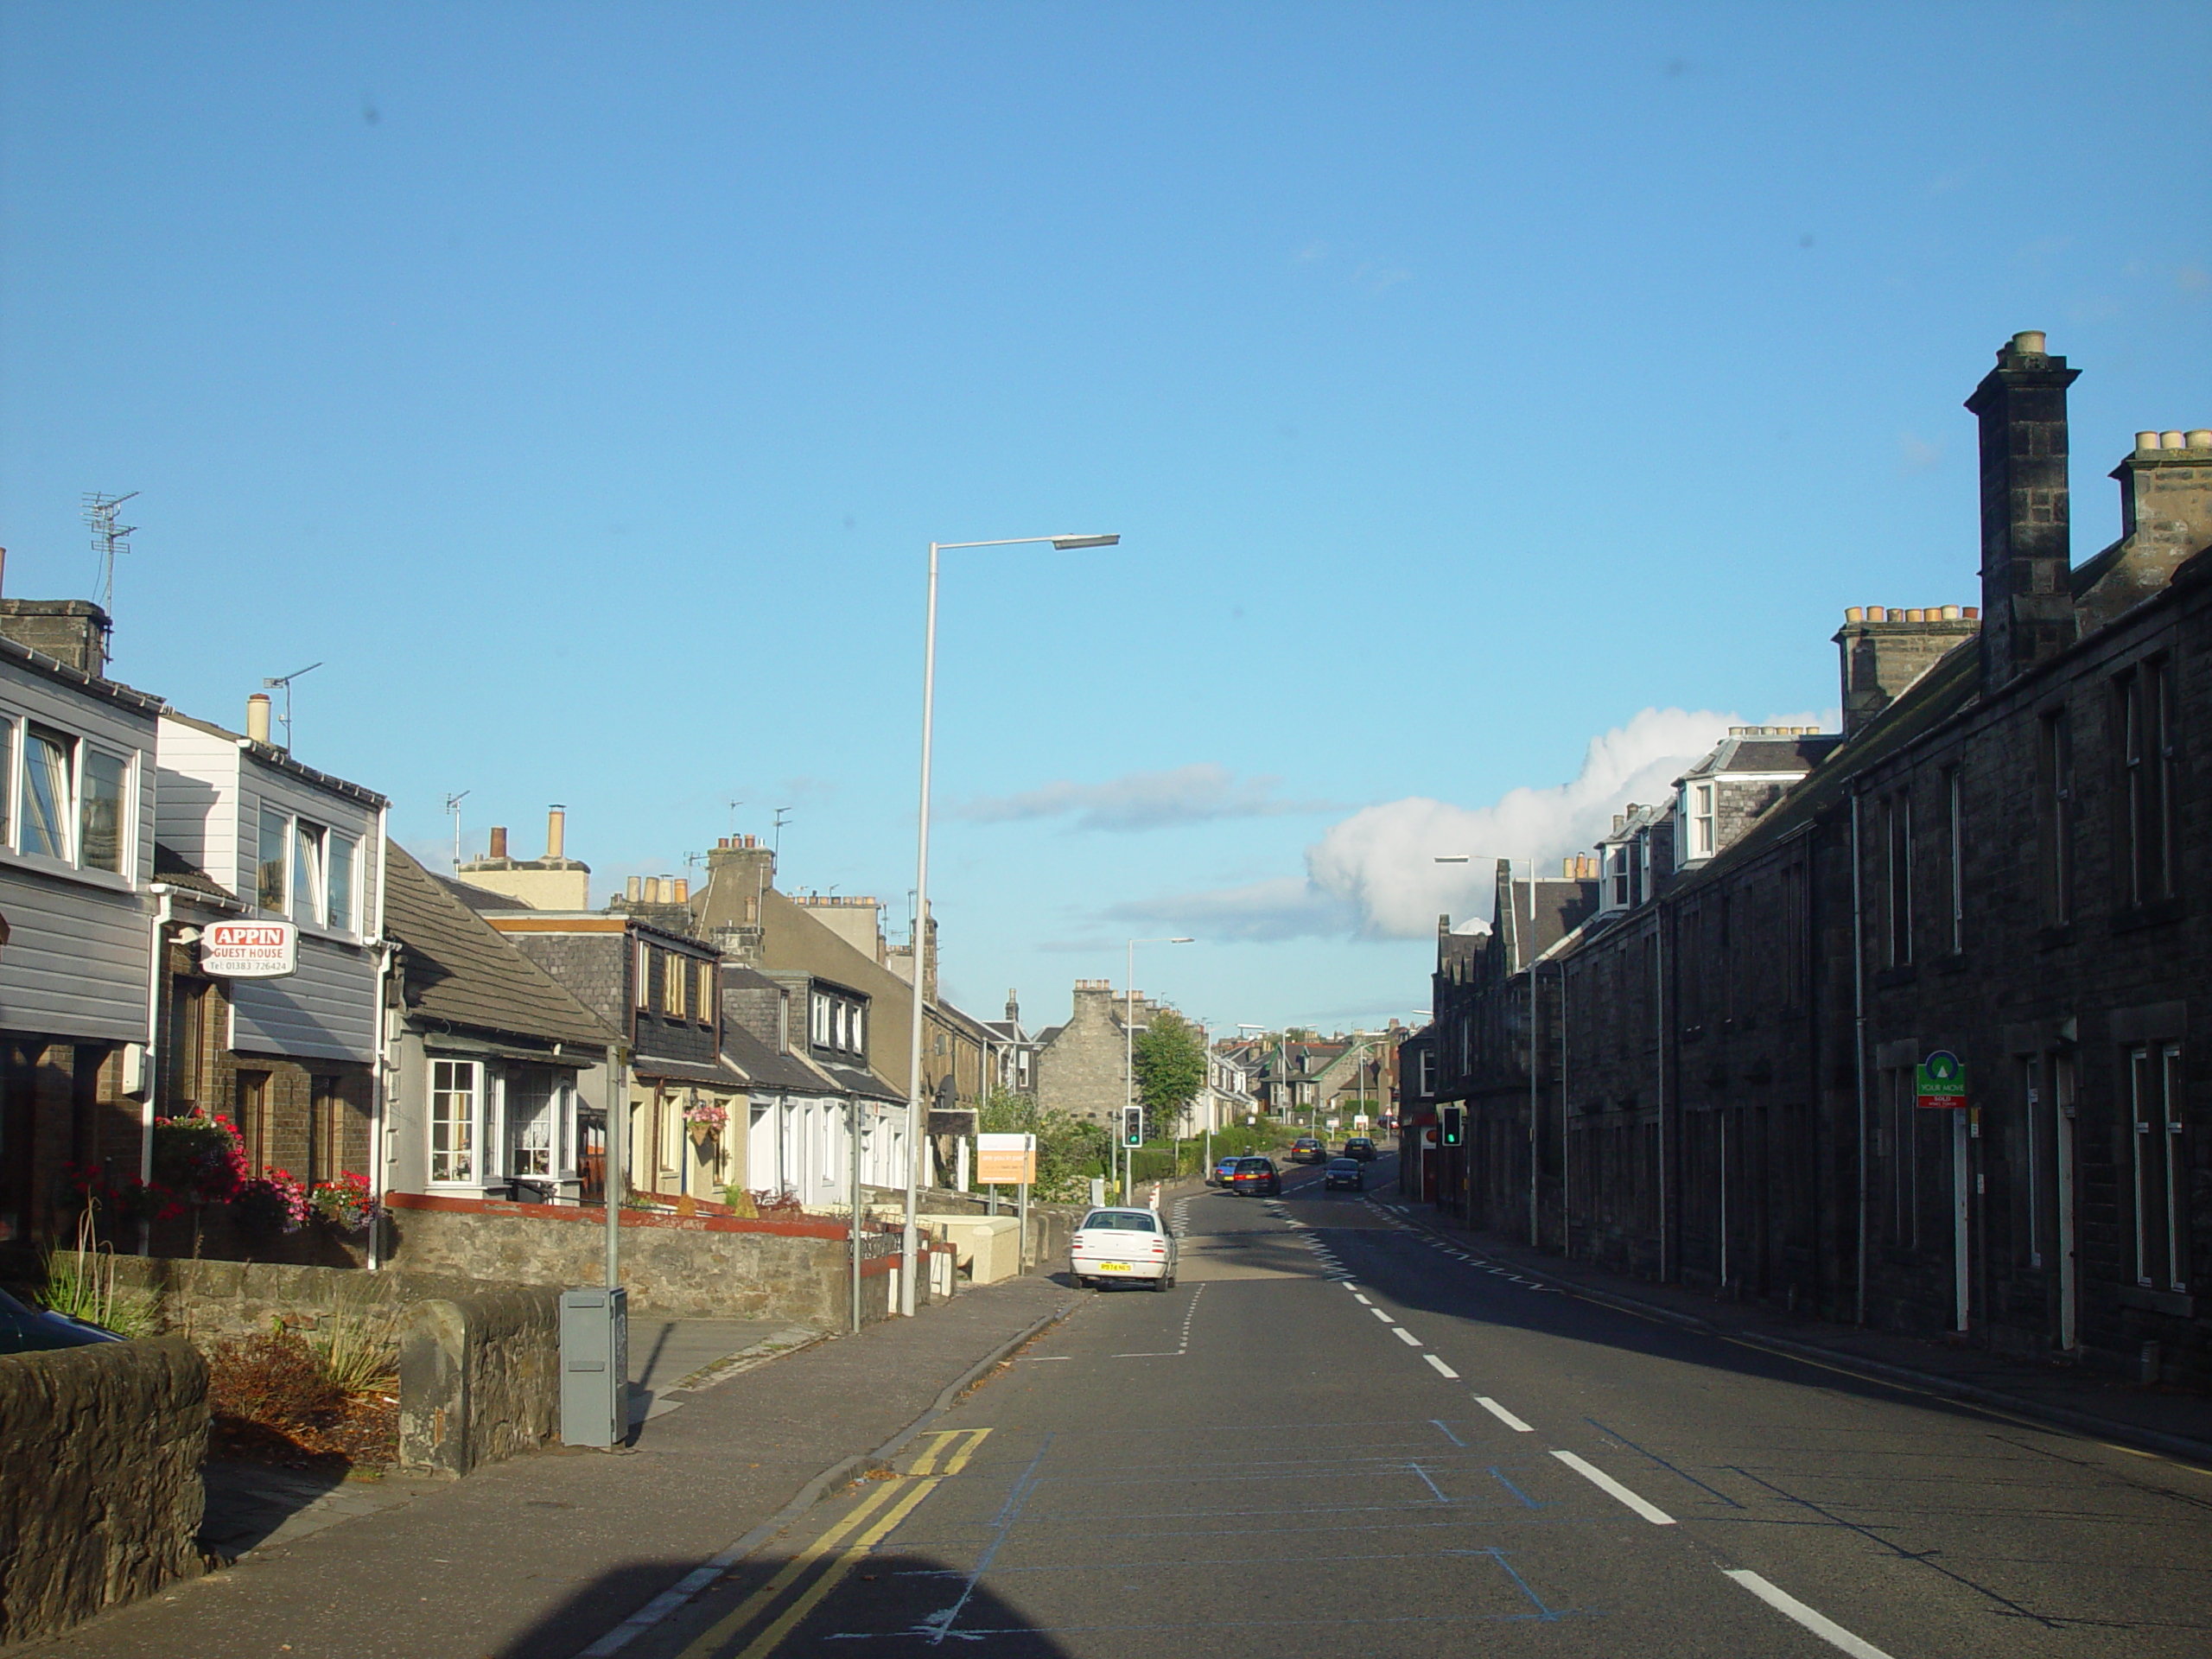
[[2001, 862]]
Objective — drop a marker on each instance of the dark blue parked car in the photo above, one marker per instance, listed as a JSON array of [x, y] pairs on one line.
[[27, 1330]]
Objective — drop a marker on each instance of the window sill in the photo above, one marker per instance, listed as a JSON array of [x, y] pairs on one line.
[[2134, 919], [2179, 1303], [105, 880]]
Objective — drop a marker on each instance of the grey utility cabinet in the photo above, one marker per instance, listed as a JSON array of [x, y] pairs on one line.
[[595, 1365]]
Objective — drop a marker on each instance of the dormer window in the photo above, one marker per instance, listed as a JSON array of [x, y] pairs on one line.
[[1703, 827]]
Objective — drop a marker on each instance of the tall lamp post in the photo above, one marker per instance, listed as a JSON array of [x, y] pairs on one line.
[[1527, 961], [909, 1256], [1129, 1062]]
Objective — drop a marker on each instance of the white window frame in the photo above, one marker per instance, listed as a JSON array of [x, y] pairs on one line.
[[642, 995], [307, 870], [351, 923], [451, 1073], [1701, 807], [2157, 1125]]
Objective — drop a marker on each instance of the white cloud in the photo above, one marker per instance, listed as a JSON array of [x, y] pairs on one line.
[[1141, 800], [1376, 874], [1381, 860]]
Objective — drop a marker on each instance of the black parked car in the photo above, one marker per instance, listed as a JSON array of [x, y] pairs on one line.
[[1256, 1175], [28, 1330], [1345, 1172], [1360, 1148], [1308, 1150]]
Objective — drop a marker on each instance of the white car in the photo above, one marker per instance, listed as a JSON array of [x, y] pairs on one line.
[[1115, 1246]]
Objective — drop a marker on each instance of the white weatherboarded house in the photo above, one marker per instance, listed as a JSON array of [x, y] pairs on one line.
[[77, 802], [293, 1059]]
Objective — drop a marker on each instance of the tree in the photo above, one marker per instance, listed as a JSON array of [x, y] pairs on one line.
[[1068, 1150], [1170, 1068]]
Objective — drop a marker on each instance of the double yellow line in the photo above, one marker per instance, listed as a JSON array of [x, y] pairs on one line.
[[870, 1521]]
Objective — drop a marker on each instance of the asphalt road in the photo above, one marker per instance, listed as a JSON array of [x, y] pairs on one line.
[[1339, 1435]]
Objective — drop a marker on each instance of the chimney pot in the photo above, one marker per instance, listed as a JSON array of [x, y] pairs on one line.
[[1950, 613], [637, 889], [1972, 613], [1854, 613], [2195, 438], [2030, 342], [1878, 614], [557, 824], [256, 716], [2146, 439], [683, 894], [499, 840], [2172, 441]]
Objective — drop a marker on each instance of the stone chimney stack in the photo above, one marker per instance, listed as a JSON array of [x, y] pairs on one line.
[[1885, 649], [71, 630], [2027, 600]]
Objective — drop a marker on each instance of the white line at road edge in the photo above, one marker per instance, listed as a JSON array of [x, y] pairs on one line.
[[1502, 1414], [1604, 1482], [1819, 1624], [1441, 1366], [1405, 1336]]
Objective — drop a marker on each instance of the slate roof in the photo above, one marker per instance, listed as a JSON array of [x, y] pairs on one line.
[[763, 1068], [174, 869], [454, 969], [1764, 754], [1953, 684]]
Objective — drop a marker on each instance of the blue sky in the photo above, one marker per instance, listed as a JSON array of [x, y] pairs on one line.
[[1472, 386]]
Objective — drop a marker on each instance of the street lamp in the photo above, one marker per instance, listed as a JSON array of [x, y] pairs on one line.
[[1129, 1062], [1527, 961], [909, 1256]]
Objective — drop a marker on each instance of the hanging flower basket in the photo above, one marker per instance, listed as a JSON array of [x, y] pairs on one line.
[[707, 1120]]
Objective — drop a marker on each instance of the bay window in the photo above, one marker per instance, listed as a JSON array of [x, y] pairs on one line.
[[456, 1088]]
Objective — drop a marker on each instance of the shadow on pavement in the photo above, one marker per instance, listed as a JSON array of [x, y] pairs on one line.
[[887, 1604], [247, 1502]]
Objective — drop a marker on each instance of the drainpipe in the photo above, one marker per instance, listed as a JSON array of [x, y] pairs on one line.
[[381, 1068], [1659, 1079], [1858, 1038], [379, 1089], [157, 933]]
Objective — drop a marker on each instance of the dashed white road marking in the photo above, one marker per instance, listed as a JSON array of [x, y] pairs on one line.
[[1502, 1414], [1405, 1336], [1380, 1314], [1361, 1300], [1605, 1483], [1442, 1369], [1819, 1624]]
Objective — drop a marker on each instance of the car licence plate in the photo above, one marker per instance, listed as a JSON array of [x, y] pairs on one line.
[[1112, 1267]]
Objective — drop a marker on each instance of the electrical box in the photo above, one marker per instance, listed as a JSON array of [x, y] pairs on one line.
[[595, 1366]]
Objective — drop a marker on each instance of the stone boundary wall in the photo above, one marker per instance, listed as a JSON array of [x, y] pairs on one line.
[[100, 1450], [682, 1267], [479, 1378]]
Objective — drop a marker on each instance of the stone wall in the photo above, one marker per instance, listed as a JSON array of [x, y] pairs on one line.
[[100, 1450], [479, 1378], [684, 1267]]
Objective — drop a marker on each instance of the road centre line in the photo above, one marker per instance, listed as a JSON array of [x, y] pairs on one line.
[[1605, 1483], [1361, 1300], [1442, 1369], [1405, 1336], [1380, 1314], [1819, 1624], [1502, 1414]]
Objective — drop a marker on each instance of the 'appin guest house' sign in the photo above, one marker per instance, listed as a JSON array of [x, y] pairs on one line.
[[250, 950]]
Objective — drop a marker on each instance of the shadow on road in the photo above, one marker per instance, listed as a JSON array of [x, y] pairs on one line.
[[887, 1604]]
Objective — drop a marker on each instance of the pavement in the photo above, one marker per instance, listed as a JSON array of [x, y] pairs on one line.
[[542, 1556], [1345, 1435], [2157, 1417]]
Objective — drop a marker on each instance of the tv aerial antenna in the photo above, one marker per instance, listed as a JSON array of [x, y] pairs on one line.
[[285, 681], [453, 808], [109, 539]]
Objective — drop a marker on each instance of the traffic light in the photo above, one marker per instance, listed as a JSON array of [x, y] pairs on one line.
[[1451, 1126], [1133, 1125]]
